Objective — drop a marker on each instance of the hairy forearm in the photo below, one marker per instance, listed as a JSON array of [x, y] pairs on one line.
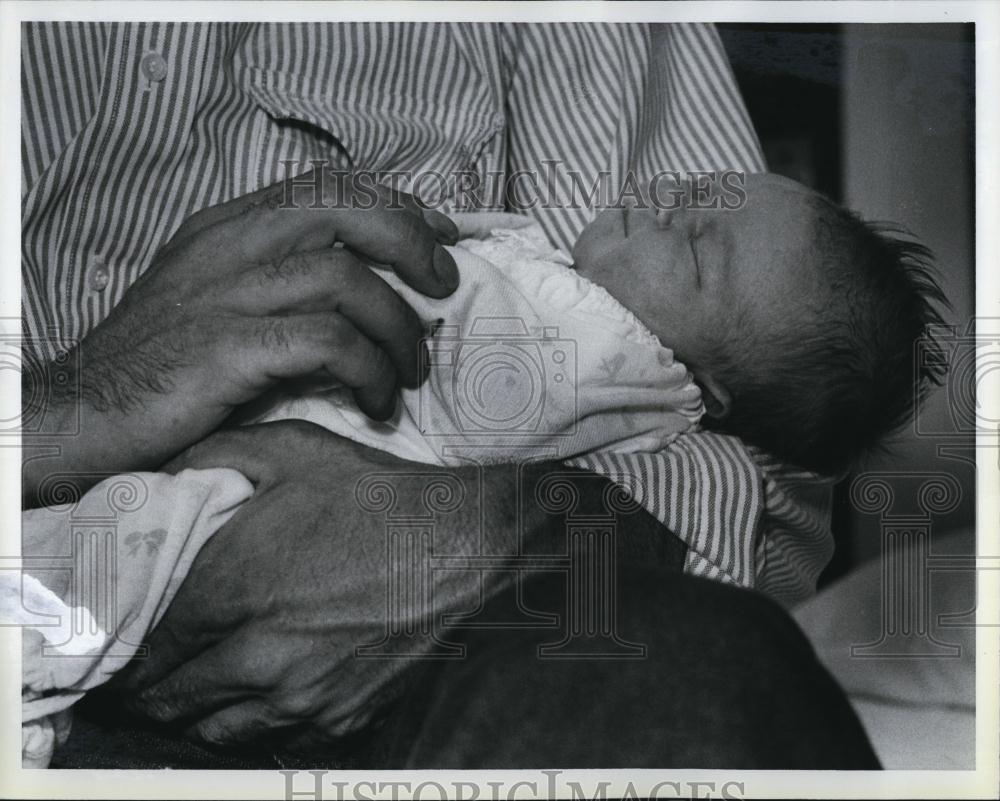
[[87, 421]]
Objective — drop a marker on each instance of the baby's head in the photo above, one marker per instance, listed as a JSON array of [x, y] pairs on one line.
[[797, 319]]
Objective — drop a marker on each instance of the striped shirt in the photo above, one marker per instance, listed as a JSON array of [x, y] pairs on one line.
[[127, 129]]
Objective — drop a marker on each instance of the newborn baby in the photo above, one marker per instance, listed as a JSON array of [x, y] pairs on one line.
[[797, 319], [792, 320]]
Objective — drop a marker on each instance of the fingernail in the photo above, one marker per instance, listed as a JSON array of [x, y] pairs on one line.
[[424, 364], [447, 237], [445, 230], [445, 268], [385, 409]]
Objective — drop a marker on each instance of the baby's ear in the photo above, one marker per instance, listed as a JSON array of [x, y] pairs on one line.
[[714, 395]]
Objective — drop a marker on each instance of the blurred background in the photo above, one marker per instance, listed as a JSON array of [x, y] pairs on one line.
[[882, 119]]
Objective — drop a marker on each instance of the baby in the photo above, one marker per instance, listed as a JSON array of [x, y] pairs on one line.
[[797, 319], [790, 319]]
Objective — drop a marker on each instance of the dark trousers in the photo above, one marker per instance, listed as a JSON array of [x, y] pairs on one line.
[[727, 680], [695, 674]]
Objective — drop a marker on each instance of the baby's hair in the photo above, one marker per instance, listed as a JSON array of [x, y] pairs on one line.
[[833, 384]]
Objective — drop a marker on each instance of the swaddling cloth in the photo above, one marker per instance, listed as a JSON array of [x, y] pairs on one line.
[[528, 361], [101, 572]]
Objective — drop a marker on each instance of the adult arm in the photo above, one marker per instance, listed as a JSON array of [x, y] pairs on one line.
[[262, 635], [244, 295]]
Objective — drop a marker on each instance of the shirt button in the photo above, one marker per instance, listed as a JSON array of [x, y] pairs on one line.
[[99, 275], [154, 66]]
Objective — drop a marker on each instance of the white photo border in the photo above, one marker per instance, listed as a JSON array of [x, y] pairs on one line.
[[980, 783]]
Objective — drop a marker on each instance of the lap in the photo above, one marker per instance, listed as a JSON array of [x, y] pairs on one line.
[[724, 679], [104, 736]]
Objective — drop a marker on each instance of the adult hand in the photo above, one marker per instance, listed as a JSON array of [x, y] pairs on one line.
[[262, 634], [246, 294]]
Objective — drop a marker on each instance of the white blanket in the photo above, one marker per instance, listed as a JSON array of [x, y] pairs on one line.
[[99, 572], [529, 361]]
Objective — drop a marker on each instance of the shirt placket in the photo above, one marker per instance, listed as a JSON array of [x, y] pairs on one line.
[[139, 112]]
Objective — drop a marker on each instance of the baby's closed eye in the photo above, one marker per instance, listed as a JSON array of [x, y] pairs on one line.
[[693, 239]]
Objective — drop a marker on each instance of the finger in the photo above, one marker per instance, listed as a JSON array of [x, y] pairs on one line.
[[211, 215], [406, 243], [334, 280], [213, 679], [279, 195], [248, 449], [446, 229], [324, 343], [309, 738], [167, 647], [321, 207], [347, 190], [240, 723], [298, 189], [356, 212]]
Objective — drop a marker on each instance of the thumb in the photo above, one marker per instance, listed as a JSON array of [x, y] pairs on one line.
[[252, 450]]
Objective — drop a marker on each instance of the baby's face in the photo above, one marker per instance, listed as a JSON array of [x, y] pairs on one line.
[[682, 271]]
